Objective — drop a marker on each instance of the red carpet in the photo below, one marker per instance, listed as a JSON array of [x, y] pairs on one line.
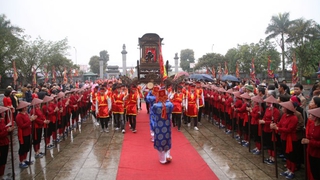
[[139, 160]]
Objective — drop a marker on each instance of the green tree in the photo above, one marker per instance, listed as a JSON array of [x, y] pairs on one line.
[[260, 52], [40, 54], [94, 64], [186, 57], [104, 55], [279, 26], [10, 40], [303, 37], [232, 59], [209, 60]]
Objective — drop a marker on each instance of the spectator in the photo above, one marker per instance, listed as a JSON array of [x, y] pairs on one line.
[[28, 94], [24, 89]]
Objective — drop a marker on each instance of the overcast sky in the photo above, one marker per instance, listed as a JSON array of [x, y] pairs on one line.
[[202, 25]]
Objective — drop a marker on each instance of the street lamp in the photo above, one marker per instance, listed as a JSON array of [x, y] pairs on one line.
[[212, 47], [75, 49]]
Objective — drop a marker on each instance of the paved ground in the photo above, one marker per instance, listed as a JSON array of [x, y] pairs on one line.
[[89, 154]]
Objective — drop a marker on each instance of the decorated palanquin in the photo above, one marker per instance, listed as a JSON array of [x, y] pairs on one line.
[[148, 66]]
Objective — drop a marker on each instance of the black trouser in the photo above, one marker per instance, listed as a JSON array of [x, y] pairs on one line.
[[176, 119], [36, 136], [119, 121], [314, 167], [104, 122], [228, 119], [147, 105], [292, 156], [195, 120], [200, 113], [24, 148], [4, 154], [132, 121], [268, 141], [254, 133]]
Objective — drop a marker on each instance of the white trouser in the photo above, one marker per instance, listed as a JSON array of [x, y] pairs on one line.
[[163, 155]]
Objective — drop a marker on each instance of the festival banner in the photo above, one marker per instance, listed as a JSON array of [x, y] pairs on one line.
[[213, 72], [226, 72], [237, 70], [253, 71], [15, 73], [270, 71], [163, 71], [34, 77], [294, 72]]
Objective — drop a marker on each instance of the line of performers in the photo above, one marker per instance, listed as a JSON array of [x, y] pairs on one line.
[[54, 117], [249, 113]]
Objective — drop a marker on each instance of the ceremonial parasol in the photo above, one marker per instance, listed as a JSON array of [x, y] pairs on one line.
[[179, 74], [229, 78], [205, 77]]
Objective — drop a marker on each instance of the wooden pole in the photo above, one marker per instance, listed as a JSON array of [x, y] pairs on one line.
[[31, 136]]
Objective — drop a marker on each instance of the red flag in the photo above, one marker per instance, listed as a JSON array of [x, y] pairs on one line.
[[226, 72], [163, 71], [270, 71], [237, 70], [219, 71], [76, 72], [70, 74], [65, 78], [213, 72], [253, 71], [294, 72], [54, 75], [34, 77], [15, 73]]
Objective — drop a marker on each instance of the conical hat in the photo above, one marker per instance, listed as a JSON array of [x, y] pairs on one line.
[[230, 91], [288, 105], [36, 101], [257, 99], [271, 99], [22, 104], [237, 94], [47, 99], [245, 96], [3, 109], [222, 90], [67, 92], [53, 95], [60, 95], [315, 112]]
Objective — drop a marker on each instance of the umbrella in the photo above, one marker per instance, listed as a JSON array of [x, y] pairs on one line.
[[179, 74], [205, 77], [229, 78]]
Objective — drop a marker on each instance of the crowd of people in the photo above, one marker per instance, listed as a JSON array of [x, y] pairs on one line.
[[280, 122]]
